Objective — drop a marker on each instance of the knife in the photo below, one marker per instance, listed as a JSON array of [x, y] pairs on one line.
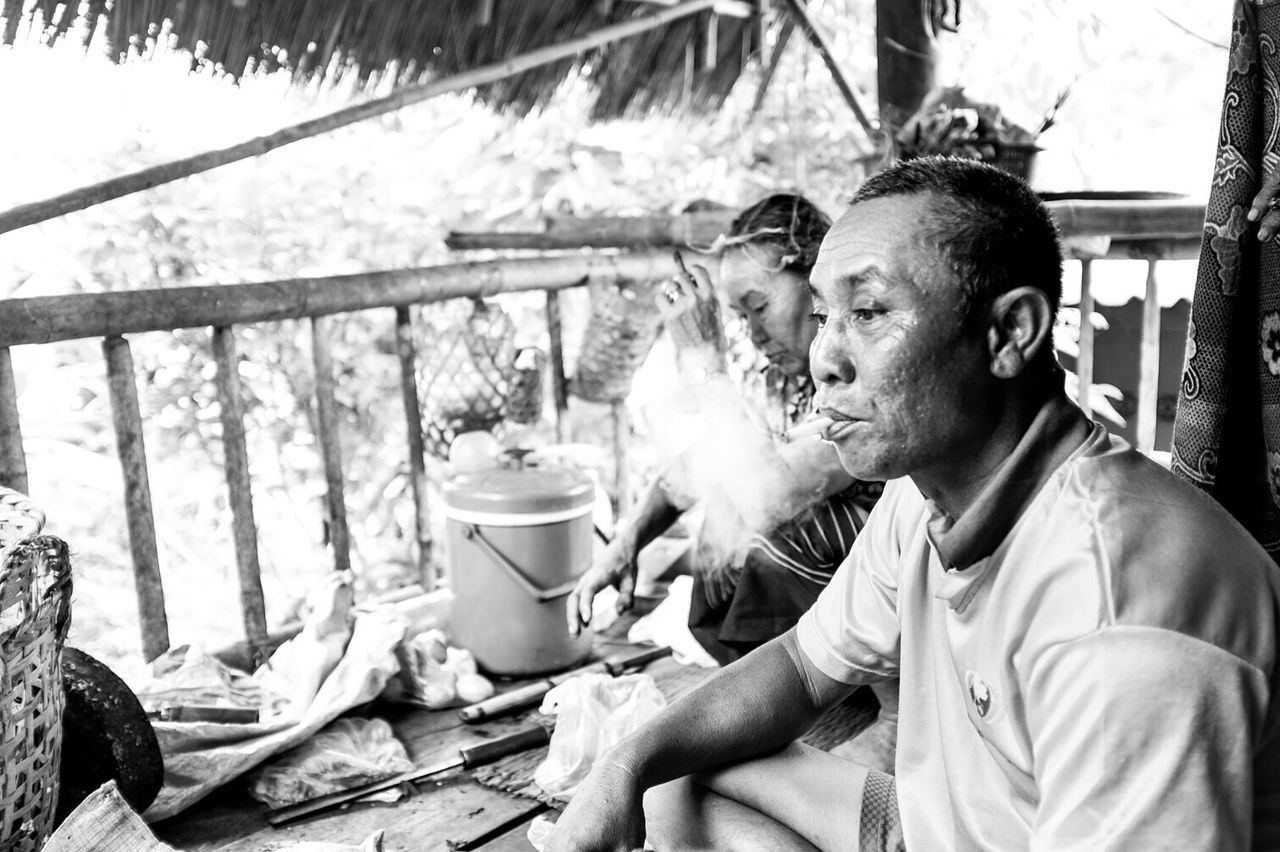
[[530, 694], [473, 755]]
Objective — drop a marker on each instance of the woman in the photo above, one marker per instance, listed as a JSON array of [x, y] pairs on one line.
[[800, 510]]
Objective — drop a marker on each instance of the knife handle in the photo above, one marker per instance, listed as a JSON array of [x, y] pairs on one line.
[[487, 752], [507, 702]]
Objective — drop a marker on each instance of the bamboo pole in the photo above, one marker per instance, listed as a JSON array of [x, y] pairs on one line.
[[253, 606], [330, 444], [44, 319], [1084, 364], [559, 384], [13, 458], [801, 14], [775, 56], [78, 199], [127, 418], [417, 452], [1149, 364]]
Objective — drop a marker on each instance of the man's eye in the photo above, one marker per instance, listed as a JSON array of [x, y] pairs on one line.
[[865, 314], [820, 319]]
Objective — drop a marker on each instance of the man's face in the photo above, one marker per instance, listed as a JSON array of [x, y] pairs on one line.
[[908, 386]]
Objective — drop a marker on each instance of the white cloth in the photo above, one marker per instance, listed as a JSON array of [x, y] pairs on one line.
[[1101, 680]]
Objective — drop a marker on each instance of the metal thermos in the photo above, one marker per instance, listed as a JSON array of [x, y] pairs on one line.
[[519, 538]]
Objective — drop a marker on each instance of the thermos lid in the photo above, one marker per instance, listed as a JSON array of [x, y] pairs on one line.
[[522, 497]]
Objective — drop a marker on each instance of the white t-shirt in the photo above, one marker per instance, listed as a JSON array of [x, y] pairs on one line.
[[1097, 675]]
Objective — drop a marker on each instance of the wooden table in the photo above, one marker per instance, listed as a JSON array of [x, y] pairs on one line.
[[447, 807]]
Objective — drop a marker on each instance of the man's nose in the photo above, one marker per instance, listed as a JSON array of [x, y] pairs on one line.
[[829, 360]]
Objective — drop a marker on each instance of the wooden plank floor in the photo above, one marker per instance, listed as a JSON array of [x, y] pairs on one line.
[[447, 807]]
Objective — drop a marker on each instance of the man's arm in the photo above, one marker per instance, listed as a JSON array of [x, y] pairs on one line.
[[753, 707], [1143, 739]]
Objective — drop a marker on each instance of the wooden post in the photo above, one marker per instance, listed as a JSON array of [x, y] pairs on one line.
[[819, 41], [253, 607], [1084, 364], [78, 199], [559, 384], [906, 59], [1149, 364], [13, 459], [330, 444], [127, 417], [712, 53], [417, 452], [621, 442]]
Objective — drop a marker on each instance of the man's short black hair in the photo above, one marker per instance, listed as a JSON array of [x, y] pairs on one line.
[[992, 229]]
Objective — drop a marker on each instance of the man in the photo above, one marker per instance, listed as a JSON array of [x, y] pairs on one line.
[[1086, 645]]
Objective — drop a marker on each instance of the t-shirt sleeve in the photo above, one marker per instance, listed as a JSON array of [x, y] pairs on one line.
[[852, 632], [1141, 740]]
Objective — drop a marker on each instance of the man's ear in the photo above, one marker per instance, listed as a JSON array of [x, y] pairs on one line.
[[1020, 326]]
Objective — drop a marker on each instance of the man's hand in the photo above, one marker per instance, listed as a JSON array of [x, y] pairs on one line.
[[1266, 207], [616, 568], [605, 815]]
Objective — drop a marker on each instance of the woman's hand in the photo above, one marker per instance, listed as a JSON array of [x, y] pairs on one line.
[[1266, 207], [605, 815], [617, 568], [691, 311]]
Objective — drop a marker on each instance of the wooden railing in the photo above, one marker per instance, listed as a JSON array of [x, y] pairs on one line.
[[1153, 231], [111, 316]]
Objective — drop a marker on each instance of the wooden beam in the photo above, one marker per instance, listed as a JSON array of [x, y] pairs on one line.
[[559, 384], [906, 59], [127, 418], [1149, 365], [330, 438], [408, 357], [1128, 219], [1084, 364], [728, 8], [44, 319], [847, 90], [253, 607], [78, 199], [1180, 223], [13, 458]]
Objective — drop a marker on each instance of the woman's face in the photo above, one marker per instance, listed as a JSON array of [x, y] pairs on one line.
[[774, 302]]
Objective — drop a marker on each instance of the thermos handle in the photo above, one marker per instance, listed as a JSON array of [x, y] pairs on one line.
[[541, 595]]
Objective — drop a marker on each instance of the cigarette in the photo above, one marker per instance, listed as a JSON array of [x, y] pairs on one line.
[[809, 428]]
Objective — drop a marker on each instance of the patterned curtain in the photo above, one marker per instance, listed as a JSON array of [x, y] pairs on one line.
[[1226, 435]]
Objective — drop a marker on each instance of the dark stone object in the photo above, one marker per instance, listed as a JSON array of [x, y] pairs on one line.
[[105, 735]]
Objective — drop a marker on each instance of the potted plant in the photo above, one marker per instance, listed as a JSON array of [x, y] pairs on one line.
[[950, 124]]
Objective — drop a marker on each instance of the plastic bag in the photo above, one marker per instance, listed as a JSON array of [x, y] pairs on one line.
[[593, 712], [436, 675], [346, 754]]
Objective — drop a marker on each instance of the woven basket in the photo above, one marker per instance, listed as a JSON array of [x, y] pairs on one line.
[[35, 608], [621, 329], [1016, 159]]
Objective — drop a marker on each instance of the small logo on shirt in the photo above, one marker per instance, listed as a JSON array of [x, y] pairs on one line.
[[979, 694]]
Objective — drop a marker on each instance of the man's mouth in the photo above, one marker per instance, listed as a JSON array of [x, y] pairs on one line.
[[842, 424]]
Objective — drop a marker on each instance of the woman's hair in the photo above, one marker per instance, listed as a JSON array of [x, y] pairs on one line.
[[790, 223]]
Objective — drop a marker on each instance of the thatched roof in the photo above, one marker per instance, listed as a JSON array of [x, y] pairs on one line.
[[420, 39]]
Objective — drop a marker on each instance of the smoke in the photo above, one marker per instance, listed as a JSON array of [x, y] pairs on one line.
[[716, 453]]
